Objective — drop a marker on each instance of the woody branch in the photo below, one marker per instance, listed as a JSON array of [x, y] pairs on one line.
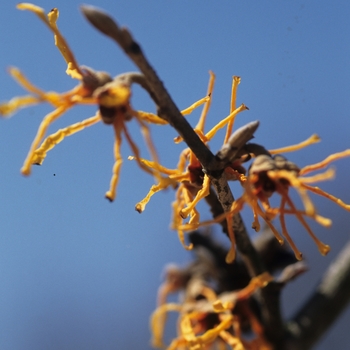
[[168, 110]]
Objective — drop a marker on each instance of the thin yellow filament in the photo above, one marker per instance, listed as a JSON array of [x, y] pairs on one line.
[[235, 82], [310, 141], [325, 162]]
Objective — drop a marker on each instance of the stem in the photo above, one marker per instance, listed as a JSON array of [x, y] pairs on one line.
[[167, 108], [212, 166], [270, 295]]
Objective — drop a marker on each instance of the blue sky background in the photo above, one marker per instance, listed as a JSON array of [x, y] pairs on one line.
[[78, 272]]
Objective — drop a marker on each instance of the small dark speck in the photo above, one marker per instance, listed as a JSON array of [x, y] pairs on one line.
[[54, 174]]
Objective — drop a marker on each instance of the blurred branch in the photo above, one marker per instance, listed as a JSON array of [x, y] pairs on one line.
[[270, 295], [323, 307]]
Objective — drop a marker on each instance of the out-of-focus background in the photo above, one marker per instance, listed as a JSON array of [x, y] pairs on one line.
[[78, 272]]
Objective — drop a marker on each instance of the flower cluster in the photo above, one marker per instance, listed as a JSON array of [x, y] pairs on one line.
[[110, 95], [205, 321], [214, 311], [218, 307], [193, 182], [268, 173]]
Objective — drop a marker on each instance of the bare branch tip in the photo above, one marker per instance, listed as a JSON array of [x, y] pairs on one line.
[[98, 18]]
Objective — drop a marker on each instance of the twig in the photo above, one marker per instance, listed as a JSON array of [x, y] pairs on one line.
[[167, 108], [269, 296], [169, 111], [211, 164]]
